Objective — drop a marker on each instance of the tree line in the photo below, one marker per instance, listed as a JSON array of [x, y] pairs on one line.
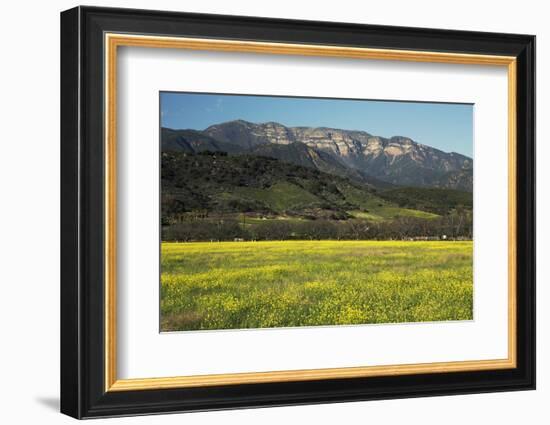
[[453, 226]]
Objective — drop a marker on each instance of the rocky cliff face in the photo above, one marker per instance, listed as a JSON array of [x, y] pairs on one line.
[[397, 160]]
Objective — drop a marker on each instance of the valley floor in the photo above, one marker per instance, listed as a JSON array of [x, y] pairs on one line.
[[236, 285]]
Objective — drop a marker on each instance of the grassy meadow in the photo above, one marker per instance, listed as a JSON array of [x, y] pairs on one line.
[[236, 285]]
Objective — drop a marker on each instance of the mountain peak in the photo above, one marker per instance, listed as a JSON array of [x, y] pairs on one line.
[[232, 122], [272, 123]]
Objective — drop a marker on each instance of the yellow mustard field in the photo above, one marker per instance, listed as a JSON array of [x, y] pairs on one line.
[[236, 285]]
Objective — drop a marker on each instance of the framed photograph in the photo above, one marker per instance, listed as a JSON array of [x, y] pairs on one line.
[[261, 212]]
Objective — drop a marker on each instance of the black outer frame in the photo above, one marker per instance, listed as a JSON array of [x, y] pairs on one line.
[[82, 207]]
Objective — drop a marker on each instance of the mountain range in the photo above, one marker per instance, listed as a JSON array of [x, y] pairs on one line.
[[379, 162]]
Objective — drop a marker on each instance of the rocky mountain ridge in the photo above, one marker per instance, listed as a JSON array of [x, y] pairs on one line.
[[356, 154]]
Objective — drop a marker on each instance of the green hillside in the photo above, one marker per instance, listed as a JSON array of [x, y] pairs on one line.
[[281, 196], [377, 208], [433, 200], [217, 183]]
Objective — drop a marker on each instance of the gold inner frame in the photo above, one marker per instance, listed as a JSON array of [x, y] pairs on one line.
[[113, 41]]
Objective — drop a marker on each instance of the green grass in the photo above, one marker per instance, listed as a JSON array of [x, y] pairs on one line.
[[281, 196], [378, 209], [234, 285], [389, 212]]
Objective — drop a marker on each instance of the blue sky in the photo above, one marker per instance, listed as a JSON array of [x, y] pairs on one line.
[[445, 126]]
